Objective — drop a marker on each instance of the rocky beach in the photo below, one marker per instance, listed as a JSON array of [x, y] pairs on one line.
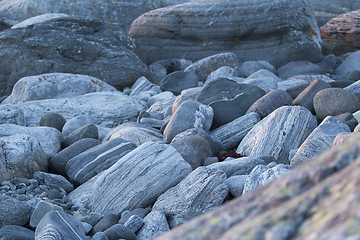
[[183, 119]]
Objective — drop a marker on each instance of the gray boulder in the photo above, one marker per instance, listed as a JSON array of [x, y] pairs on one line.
[[201, 189], [294, 68], [288, 84], [264, 73], [87, 131], [222, 72], [187, 94], [155, 223], [53, 181], [250, 67], [354, 88], [134, 223], [178, 81], [349, 69], [15, 232], [54, 120], [348, 119], [12, 114], [142, 86], [284, 129], [119, 231], [13, 211], [41, 209], [150, 169], [199, 29], [267, 84], [236, 184], [74, 123]]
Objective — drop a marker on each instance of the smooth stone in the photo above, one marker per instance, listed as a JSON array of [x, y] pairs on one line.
[[250, 67], [12, 114], [357, 128], [87, 227], [178, 81], [151, 169], [119, 231], [100, 236], [152, 122], [319, 140], [287, 84], [266, 84], [296, 90], [92, 218], [134, 223], [335, 101], [13, 211], [312, 77], [197, 115], [163, 96], [270, 102], [233, 132], [264, 73], [343, 138], [294, 68], [201, 189], [155, 224], [187, 94], [222, 72], [284, 129], [348, 119], [341, 83], [349, 69], [21, 156], [176, 222], [140, 212], [41, 209], [58, 162], [354, 88], [210, 160], [142, 85], [54, 120], [236, 184], [87, 131], [15, 232], [75, 123], [53, 181], [157, 72], [106, 222]]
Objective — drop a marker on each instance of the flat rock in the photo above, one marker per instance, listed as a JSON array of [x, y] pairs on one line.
[[12, 114], [13, 211], [150, 169], [349, 69], [15, 232], [180, 31], [178, 81], [155, 223], [284, 129], [264, 73]]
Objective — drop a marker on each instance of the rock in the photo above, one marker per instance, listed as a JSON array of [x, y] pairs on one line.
[[136, 133], [176, 222], [163, 96], [104, 108], [222, 72], [119, 231], [341, 34], [349, 69], [49, 138], [306, 97], [12, 114], [96, 159], [266, 84], [228, 99], [357, 128], [100, 236], [201, 189], [317, 187], [312, 77], [194, 149], [341, 83], [197, 115], [237, 166], [171, 29], [262, 174], [236, 184], [59, 225], [53, 181], [335, 101], [178, 81], [106, 222], [87, 131], [319, 140], [111, 59], [58, 162], [285, 85], [233, 132], [264, 73], [150, 169], [55, 85], [13, 211], [142, 85], [354, 88], [250, 67], [134, 223], [296, 90], [188, 94], [155, 224], [342, 138], [140, 212], [284, 129], [16, 233], [173, 64], [54, 120], [41, 210], [294, 68], [348, 119], [270, 102], [21, 156]]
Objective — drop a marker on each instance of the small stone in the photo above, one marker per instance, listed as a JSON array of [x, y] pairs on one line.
[[106, 222], [14, 232], [236, 184], [250, 67], [119, 231], [298, 67], [155, 223], [87, 131], [178, 81], [54, 120], [134, 223], [176, 222]]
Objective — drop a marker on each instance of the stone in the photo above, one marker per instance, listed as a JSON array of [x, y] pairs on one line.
[[236, 184], [54, 120], [194, 149], [284, 129], [357, 128], [48, 138], [140, 212], [157, 72], [89, 163], [228, 99], [111, 59], [348, 119], [86, 131], [312, 77], [287, 84], [16, 233], [106, 222], [306, 97], [267, 84], [100, 236], [201, 189], [294, 68], [59, 225], [264, 73], [151, 169], [119, 231], [349, 69], [155, 224], [176, 222], [341, 34], [173, 64], [41, 209], [270, 102], [354, 88], [171, 29], [250, 67], [58, 162], [319, 140], [233, 132], [53, 181], [143, 84], [21, 156], [335, 101], [134, 223], [12, 114], [296, 90], [197, 115], [187, 94], [262, 174], [13, 211], [92, 218], [341, 83], [237, 166], [163, 96], [342, 138], [178, 81], [222, 72], [152, 122]]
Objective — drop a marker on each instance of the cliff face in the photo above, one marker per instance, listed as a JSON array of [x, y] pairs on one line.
[[318, 200]]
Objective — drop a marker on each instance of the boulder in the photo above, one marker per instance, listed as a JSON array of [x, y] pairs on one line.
[[150, 169], [119, 231], [294, 68], [87, 131], [16, 233], [349, 69], [12, 114], [70, 45], [354, 88], [134, 223], [250, 67], [348, 119], [188, 94], [284, 129], [13, 211], [41, 209], [178, 81], [155, 223], [222, 72], [53, 181], [198, 29], [264, 73], [236, 184], [54, 120], [267, 84]]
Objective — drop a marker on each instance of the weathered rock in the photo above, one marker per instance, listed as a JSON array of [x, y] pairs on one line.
[[287, 84], [296, 90], [178, 81], [266, 84], [119, 231], [155, 224], [12, 114], [222, 72], [341, 34], [348, 119], [198, 29], [139, 212], [349, 69], [106, 222], [233, 132], [284, 129], [335, 101], [294, 68], [96, 159], [312, 77], [15, 232], [75, 123], [201, 189], [53, 181], [343, 137], [264, 73], [13, 211], [41, 209], [69, 44], [173, 64], [21, 156], [87, 131], [150, 169], [59, 225], [270, 102], [354, 88], [316, 190], [54, 120], [134, 223], [190, 114], [250, 67], [188, 94], [236, 184]]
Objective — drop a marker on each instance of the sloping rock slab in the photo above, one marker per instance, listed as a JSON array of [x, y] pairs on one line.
[[254, 30]]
